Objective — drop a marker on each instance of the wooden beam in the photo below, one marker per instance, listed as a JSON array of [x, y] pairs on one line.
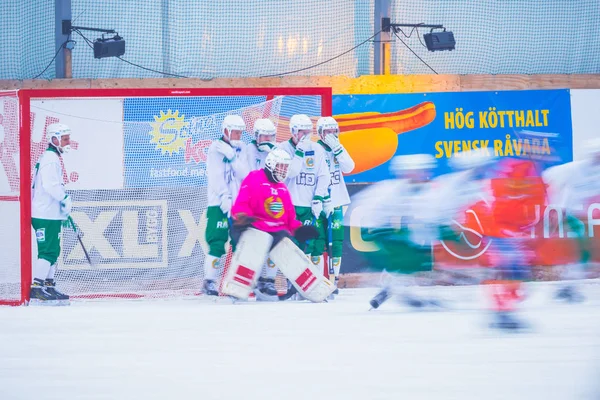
[[367, 84]]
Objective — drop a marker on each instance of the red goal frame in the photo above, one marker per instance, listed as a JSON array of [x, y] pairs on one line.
[[26, 95]]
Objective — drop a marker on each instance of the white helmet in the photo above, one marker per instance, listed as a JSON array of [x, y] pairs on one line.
[[58, 131], [412, 162], [278, 162], [264, 127], [300, 122], [232, 123], [327, 123], [472, 159]]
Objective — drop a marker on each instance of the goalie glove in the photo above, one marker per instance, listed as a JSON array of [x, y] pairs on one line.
[[327, 206], [226, 204], [65, 206], [317, 206], [334, 144], [226, 150], [305, 233], [243, 221]]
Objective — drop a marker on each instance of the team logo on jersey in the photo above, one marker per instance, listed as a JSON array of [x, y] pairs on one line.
[[315, 260], [215, 263], [274, 207], [310, 162], [169, 132], [40, 234], [270, 263]]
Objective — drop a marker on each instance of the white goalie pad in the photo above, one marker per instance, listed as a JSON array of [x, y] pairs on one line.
[[249, 257], [303, 274]]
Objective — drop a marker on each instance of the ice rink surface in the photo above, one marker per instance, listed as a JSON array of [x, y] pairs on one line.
[[192, 349]]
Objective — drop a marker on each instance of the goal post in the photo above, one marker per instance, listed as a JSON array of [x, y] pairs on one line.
[[137, 175]]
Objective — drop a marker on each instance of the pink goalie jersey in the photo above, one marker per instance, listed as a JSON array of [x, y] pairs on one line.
[[270, 203]]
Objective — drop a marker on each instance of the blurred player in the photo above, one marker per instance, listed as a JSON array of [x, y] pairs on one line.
[[264, 206], [50, 207], [398, 218], [508, 191], [574, 187], [331, 226], [264, 141], [226, 168]]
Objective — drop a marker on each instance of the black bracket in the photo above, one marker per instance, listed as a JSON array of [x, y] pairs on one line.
[[386, 26], [67, 28]]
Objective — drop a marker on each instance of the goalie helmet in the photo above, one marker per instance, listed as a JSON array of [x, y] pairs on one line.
[[298, 123], [326, 126], [233, 123], [58, 131], [277, 164], [264, 134]]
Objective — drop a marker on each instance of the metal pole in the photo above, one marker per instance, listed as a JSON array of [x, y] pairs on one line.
[[166, 37], [382, 49], [62, 10]]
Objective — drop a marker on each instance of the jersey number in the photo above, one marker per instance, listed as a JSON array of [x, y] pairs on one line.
[[305, 179], [335, 178]]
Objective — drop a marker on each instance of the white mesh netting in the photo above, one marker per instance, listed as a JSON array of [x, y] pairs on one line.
[[138, 179], [10, 270]]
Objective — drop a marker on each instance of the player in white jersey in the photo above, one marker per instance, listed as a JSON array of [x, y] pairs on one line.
[[308, 177], [264, 133], [264, 141], [574, 187], [226, 166], [50, 207], [339, 162]]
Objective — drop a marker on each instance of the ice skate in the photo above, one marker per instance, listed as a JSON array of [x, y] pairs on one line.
[[50, 287], [507, 321], [267, 286], [380, 298], [569, 294], [210, 288], [412, 301], [38, 296]]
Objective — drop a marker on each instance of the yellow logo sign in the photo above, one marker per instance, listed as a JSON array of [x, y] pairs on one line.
[[168, 132]]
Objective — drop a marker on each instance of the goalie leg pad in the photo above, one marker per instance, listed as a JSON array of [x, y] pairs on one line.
[[249, 257], [303, 274]]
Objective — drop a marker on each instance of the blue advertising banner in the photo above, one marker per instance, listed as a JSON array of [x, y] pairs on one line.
[[534, 124], [166, 138]]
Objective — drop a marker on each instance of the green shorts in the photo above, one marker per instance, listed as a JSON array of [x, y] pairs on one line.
[[217, 231], [47, 234]]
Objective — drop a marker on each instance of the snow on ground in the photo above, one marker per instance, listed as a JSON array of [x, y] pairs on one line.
[[191, 349]]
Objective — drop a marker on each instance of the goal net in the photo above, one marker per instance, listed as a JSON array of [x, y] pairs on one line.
[[137, 175], [11, 284]]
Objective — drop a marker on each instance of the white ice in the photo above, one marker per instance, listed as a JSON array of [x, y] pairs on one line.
[[191, 349]]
